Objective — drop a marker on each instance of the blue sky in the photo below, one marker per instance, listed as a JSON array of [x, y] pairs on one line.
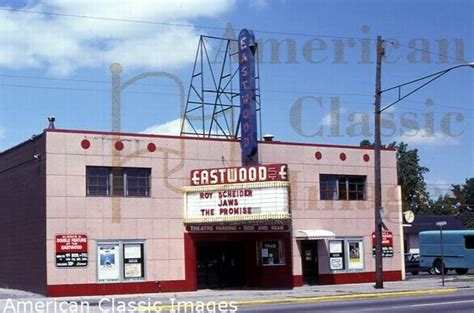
[[59, 65]]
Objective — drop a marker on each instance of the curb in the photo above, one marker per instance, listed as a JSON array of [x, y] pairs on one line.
[[350, 297], [316, 299]]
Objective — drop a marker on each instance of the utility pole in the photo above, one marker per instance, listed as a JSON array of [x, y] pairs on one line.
[[377, 168]]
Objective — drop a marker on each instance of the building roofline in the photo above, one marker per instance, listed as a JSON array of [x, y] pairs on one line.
[[96, 132], [33, 138]]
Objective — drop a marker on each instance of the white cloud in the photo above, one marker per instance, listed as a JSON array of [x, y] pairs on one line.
[[437, 139], [327, 121], [258, 4], [169, 128], [3, 133], [62, 45]]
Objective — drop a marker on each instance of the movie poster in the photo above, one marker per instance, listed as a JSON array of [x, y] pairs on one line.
[[356, 259], [109, 262]]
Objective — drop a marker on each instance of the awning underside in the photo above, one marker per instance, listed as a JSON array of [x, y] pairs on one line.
[[314, 234]]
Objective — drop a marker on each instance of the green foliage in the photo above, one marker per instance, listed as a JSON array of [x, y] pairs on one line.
[[366, 143], [444, 205], [459, 202], [411, 179], [467, 218]]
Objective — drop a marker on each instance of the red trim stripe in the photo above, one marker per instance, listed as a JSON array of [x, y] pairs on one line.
[[95, 132]]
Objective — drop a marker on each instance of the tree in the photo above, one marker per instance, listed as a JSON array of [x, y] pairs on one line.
[[458, 202], [410, 177], [464, 201], [444, 205], [366, 143]]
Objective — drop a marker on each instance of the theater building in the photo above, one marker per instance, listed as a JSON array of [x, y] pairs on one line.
[[90, 213]]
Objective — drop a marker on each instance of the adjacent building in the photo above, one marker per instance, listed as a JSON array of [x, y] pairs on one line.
[[89, 213], [424, 223]]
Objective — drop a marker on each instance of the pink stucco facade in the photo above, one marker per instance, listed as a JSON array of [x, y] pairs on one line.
[[158, 220]]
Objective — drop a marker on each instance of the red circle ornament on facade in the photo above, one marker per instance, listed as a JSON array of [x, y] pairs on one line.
[[119, 146], [342, 156], [85, 144], [366, 158], [318, 155], [151, 147]]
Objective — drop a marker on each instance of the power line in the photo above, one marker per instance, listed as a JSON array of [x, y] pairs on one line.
[[431, 52], [173, 24], [81, 89], [168, 85], [175, 94], [79, 80], [110, 19], [264, 91], [299, 34]]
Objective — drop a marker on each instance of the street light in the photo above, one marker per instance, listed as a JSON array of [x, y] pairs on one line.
[[377, 145], [441, 224]]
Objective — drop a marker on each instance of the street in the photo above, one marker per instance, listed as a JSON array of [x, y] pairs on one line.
[[420, 293], [457, 302]]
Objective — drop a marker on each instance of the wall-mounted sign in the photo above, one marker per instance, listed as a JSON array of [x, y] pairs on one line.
[[387, 244], [71, 250], [248, 104], [237, 202], [236, 228], [233, 175]]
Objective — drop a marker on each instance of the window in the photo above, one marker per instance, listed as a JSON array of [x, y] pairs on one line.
[[328, 187], [335, 187], [469, 242], [98, 181], [120, 261], [138, 182], [271, 252], [118, 181]]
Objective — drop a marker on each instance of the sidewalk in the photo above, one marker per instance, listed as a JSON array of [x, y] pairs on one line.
[[413, 286]]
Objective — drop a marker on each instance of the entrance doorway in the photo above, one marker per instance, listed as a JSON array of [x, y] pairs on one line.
[[220, 265], [309, 259]]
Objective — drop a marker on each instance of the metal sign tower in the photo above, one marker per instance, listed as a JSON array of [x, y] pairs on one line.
[[214, 91]]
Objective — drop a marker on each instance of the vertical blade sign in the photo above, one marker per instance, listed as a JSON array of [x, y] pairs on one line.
[[248, 106]]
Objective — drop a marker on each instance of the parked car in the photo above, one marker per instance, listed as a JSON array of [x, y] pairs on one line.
[[412, 264]]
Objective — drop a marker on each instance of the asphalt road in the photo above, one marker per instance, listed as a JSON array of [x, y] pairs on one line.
[[452, 303]]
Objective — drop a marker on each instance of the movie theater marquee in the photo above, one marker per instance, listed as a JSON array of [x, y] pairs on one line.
[[257, 192]]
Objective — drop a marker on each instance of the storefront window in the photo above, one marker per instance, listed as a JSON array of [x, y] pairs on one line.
[[120, 261], [271, 252], [336, 255], [346, 255]]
